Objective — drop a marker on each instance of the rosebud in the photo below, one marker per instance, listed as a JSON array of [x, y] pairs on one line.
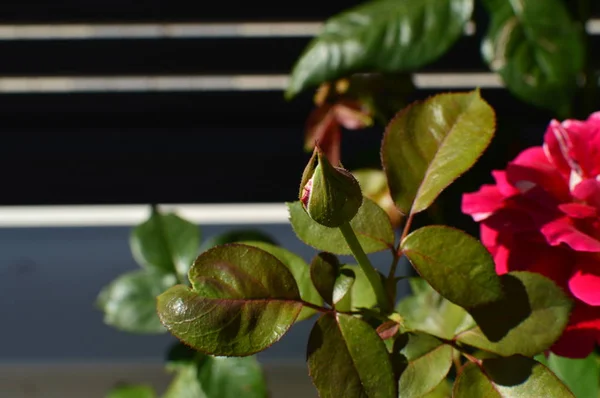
[[330, 195]]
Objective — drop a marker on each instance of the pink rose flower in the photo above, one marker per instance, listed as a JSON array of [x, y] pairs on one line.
[[543, 215]]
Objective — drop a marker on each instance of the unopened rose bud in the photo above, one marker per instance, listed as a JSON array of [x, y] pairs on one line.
[[330, 195]]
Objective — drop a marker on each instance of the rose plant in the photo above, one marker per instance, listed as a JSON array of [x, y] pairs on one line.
[[464, 323], [543, 215]]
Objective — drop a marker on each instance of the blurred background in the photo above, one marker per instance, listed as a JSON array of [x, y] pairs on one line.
[[106, 106]]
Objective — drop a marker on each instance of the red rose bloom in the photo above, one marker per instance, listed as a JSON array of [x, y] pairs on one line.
[[543, 215]]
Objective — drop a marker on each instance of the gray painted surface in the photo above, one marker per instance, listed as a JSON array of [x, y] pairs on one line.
[[49, 279]]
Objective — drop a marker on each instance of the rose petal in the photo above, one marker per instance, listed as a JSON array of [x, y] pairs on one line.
[[588, 191], [482, 203], [556, 147], [562, 231], [502, 183], [531, 168], [585, 283], [489, 237], [578, 210], [585, 149], [581, 334]]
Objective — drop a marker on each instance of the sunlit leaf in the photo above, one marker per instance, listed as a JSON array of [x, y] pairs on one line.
[[426, 363], [301, 272], [129, 302], [339, 364], [513, 377], [431, 143], [528, 320], [380, 36], [242, 300], [371, 225], [455, 264]]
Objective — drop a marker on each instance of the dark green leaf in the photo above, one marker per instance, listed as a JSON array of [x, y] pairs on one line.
[[301, 272], [371, 225], [580, 375], [324, 269], [426, 363], [129, 302], [455, 264], [165, 242], [513, 377], [240, 235], [332, 282], [180, 355], [537, 49], [360, 295], [132, 391], [431, 143], [528, 320], [425, 310], [242, 300], [339, 364], [381, 36]]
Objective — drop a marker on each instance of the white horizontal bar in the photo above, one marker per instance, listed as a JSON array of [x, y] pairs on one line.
[[592, 26], [157, 31], [167, 30], [71, 84], [119, 215]]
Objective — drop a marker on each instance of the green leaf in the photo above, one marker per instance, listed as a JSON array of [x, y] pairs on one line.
[[339, 364], [427, 311], [580, 375], [332, 282], [537, 49], [301, 272], [212, 377], [129, 302], [528, 320], [455, 264], [132, 391], [239, 235], [513, 377], [431, 143], [242, 300], [424, 363], [360, 295], [185, 384], [371, 225], [442, 390], [381, 36], [165, 242]]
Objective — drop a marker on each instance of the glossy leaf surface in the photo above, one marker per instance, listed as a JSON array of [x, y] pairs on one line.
[[129, 302], [455, 264], [431, 143], [301, 272], [527, 321], [426, 364], [242, 300], [537, 49], [371, 225], [339, 364], [165, 242], [513, 377], [380, 36]]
